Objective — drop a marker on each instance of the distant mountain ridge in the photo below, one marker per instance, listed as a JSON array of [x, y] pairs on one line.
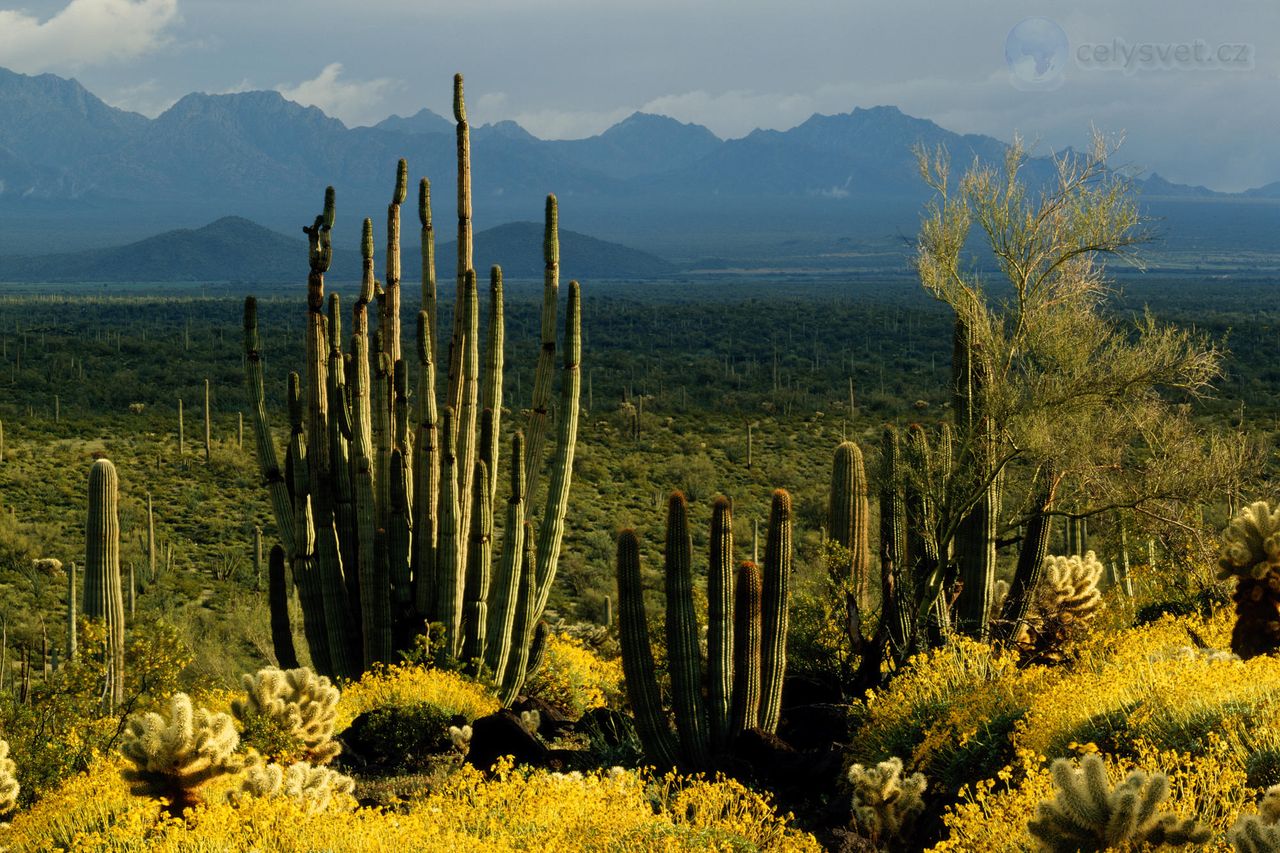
[[73, 166], [236, 249]]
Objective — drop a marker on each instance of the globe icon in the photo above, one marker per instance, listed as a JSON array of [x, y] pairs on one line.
[[1036, 52]]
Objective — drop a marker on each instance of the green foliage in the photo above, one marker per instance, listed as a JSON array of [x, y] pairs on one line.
[[406, 737], [64, 723]]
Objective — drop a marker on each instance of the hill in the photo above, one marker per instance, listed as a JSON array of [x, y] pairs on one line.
[[235, 249]]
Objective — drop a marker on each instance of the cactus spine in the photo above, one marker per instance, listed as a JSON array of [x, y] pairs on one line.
[[750, 632], [103, 597], [386, 507]]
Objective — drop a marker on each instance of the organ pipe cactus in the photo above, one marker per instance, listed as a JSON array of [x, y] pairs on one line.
[[385, 506], [746, 641], [103, 595]]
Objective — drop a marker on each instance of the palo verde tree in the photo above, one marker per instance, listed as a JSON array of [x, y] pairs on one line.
[[1060, 406]]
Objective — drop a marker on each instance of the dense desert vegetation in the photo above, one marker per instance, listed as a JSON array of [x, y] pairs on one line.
[[976, 559]]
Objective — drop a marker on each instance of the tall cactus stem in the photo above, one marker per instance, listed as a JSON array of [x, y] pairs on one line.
[[720, 626], [637, 656], [103, 597], [776, 601]]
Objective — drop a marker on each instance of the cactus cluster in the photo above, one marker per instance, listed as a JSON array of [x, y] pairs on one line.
[[311, 787], [386, 508], [297, 702], [175, 758], [883, 800], [1251, 553], [1259, 833], [746, 637], [1087, 813], [8, 780]]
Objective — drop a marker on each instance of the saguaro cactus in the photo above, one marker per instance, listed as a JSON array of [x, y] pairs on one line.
[[386, 514], [745, 640], [848, 513], [103, 596]]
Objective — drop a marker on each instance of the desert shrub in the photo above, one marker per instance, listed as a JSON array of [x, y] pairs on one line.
[[818, 642], [58, 731], [403, 737], [574, 679], [410, 684], [952, 711], [94, 804], [993, 814], [1149, 684]]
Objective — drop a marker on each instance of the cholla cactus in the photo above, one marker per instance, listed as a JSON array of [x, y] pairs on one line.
[[1251, 543], [1065, 601], [1088, 814], [8, 781], [312, 787], [176, 757], [1259, 833], [883, 801], [531, 720], [461, 737], [1251, 552], [299, 702]]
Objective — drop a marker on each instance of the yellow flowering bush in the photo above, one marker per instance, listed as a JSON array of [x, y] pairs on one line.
[[992, 814], [612, 810], [950, 712], [574, 678], [1151, 683], [412, 684]]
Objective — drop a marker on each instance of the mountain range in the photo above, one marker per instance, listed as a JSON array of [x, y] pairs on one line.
[[76, 173]]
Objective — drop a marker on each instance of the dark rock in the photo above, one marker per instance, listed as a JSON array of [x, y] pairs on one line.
[[552, 723], [501, 734]]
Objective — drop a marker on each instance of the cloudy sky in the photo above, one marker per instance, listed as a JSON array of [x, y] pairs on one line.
[[1193, 86]]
